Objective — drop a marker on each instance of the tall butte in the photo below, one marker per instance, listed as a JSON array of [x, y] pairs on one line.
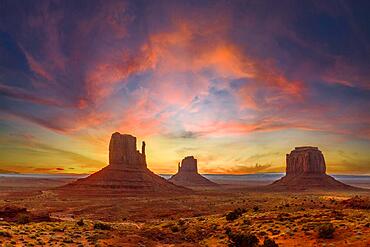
[[188, 176], [306, 170], [127, 171]]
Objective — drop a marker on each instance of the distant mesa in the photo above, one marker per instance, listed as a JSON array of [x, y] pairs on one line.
[[306, 170], [127, 171], [188, 176], [7, 172]]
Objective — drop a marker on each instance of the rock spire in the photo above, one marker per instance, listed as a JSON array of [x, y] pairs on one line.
[[123, 153], [126, 173], [188, 176]]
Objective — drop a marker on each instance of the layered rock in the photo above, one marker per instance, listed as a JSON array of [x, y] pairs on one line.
[[188, 176], [188, 165], [123, 153], [306, 170], [305, 160], [127, 172]]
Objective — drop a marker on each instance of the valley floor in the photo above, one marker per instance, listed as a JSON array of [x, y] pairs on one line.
[[200, 219]]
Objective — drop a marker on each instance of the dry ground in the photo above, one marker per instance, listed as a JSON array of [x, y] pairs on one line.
[[290, 219]]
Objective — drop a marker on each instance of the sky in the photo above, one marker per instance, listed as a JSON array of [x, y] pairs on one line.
[[237, 84]]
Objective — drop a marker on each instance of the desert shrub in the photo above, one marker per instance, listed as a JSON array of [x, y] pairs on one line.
[[247, 222], [214, 227], [174, 228], [337, 215], [95, 237], [58, 229], [23, 219], [242, 239], [228, 231], [326, 230], [268, 242], [283, 217], [101, 226], [201, 233], [153, 233], [233, 215], [40, 242], [80, 222], [67, 240], [357, 202], [5, 234]]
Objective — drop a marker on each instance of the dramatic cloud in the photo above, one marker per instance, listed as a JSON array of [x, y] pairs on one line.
[[180, 72]]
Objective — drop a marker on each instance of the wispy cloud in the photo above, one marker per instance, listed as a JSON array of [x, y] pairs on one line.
[[185, 71], [238, 169]]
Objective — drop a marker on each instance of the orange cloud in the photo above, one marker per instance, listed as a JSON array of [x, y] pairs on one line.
[[182, 50], [239, 127], [68, 123], [102, 77], [177, 60], [143, 116], [183, 59]]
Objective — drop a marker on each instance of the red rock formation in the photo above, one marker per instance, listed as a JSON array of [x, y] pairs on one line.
[[306, 170], [123, 153], [188, 176], [305, 160], [189, 165], [126, 173]]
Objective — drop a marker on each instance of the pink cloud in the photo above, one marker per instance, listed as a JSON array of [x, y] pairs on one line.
[[180, 51], [37, 67], [100, 80], [347, 75], [63, 123], [21, 94], [182, 59], [143, 116]]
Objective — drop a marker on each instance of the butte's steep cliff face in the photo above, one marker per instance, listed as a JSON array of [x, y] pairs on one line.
[[188, 176], [123, 153], [305, 160], [127, 171], [306, 170]]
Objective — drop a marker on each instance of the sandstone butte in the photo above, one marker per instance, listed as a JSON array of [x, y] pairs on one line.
[[188, 176], [306, 170], [126, 172]]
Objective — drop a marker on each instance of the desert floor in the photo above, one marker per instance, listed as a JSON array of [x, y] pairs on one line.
[[199, 219]]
